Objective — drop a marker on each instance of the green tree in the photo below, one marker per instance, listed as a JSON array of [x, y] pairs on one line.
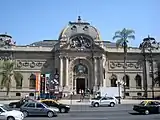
[[8, 74], [122, 38]]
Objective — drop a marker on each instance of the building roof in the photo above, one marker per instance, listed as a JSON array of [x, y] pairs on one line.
[[51, 43], [79, 27], [44, 43]]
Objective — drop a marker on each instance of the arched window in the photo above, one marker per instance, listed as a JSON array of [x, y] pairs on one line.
[[19, 84], [127, 82], [138, 82], [113, 79], [80, 69], [32, 81]]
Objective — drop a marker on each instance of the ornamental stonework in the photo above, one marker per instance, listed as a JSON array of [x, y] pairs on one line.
[[5, 56], [31, 64], [119, 65]]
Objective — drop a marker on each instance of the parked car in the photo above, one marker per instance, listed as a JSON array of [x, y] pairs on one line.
[[8, 114], [147, 107], [52, 103], [37, 108], [18, 104], [104, 101]]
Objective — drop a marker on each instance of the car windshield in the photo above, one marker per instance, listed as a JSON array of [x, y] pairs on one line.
[[97, 98], [143, 103], [6, 108]]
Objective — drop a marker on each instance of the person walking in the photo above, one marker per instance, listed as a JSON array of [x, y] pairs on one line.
[[82, 94]]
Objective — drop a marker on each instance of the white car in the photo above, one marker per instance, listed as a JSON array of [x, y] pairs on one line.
[[7, 114], [104, 101]]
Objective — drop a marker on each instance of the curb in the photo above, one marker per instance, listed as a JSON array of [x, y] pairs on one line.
[[77, 102]]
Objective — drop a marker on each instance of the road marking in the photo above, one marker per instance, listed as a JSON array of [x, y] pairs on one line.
[[73, 118]]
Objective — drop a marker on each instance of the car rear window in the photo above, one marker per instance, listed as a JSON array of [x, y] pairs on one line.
[[40, 105], [143, 103]]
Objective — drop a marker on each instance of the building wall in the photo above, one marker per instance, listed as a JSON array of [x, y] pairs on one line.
[[45, 61]]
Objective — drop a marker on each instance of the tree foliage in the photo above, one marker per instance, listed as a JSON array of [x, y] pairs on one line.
[[8, 74]]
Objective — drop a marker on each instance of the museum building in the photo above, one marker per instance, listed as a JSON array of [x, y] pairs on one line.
[[79, 59]]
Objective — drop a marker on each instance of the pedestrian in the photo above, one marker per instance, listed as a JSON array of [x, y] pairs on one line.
[[82, 94], [38, 98]]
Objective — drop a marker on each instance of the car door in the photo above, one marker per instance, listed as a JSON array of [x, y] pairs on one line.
[[104, 101], [152, 106], [40, 109], [54, 104], [157, 106], [31, 108], [2, 117]]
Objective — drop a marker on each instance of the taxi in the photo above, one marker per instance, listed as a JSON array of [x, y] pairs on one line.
[[52, 103], [148, 107]]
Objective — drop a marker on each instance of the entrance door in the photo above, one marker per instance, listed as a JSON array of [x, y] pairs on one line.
[[80, 84]]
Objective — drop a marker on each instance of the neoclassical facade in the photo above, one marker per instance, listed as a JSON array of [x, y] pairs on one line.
[[79, 59]]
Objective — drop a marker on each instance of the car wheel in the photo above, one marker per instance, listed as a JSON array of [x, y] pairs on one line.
[[50, 114], [10, 118], [146, 112], [14, 106], [63, 110], [96, 105], [25, 113], [112, 104]]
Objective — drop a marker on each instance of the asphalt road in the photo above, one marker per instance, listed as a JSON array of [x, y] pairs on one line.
[[83, 112]]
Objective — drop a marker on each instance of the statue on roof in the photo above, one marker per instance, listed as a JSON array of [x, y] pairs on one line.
[[6, 41]]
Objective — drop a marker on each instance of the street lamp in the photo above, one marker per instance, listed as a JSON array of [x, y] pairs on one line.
[[119, 83], [148, 44]]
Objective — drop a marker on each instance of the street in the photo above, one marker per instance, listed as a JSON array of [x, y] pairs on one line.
[[85, 112]]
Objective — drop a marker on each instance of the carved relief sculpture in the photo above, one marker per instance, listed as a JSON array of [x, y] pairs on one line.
[[80, 42], [119, 65], [30, 64]]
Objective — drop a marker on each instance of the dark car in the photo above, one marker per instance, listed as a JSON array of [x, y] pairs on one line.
[[19, 103], [147, 107], [52, 103]]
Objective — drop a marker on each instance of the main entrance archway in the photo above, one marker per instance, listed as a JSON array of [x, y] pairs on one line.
[[81, 75], [80, 85]]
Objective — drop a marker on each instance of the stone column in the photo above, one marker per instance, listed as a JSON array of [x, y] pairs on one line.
[[61, 71], [101, 71], [95, 71], [106, 75], [67, 71]]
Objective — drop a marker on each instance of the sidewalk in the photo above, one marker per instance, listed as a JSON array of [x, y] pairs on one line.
[[77, 102], [87, 102]]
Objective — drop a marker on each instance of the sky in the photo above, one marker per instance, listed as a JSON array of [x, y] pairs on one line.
[[28, 21]]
